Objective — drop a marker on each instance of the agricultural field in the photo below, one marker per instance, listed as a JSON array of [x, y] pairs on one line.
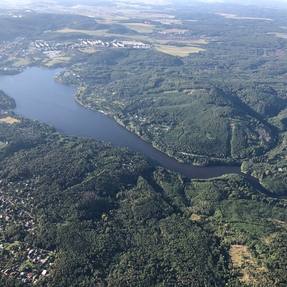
[[236, 17], [60, 60], [86, 32], [140, 27], [178, 51]]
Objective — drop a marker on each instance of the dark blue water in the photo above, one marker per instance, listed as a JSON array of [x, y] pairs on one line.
[[38, 96]]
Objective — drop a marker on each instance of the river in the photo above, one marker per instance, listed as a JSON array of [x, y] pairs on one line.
[[39, 97]]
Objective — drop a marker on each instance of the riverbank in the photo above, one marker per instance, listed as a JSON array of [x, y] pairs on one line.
[[40, 97], [193, 159]]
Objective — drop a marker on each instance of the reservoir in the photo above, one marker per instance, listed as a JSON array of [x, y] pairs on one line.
[[39, 97]]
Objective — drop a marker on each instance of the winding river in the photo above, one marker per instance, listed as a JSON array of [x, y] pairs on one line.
[[41, 98]]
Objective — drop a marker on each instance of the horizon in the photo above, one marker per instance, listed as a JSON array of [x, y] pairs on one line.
[[151, 2]]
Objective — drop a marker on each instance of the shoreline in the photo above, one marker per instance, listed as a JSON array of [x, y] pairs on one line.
[[210, 162], [134, 141]]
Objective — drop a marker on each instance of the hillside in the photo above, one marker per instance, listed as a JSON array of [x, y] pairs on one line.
[[75, 212]]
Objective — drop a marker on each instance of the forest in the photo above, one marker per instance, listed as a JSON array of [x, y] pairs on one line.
[[6, 102], [75, 212]]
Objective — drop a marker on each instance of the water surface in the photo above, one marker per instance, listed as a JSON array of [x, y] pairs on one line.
[[38, 96]]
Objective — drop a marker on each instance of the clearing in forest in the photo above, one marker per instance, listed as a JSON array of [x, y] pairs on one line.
[[183, 51], [9, 120]]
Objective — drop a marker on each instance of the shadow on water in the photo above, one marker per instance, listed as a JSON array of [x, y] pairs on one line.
[[41, 98]]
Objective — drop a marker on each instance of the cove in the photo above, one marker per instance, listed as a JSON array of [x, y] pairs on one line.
[[39, 97]]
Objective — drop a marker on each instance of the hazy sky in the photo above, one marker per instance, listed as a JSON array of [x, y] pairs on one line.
[[259, 2], [158, 1]]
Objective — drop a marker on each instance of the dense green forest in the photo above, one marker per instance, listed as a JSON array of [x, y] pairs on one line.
[[75, 212], [6, 102], [154, 95]]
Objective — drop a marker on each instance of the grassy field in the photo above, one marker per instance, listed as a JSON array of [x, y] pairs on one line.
[[240, 255], [105, 33], [140, 27], [56, 61], [89, 50], [112, 19], [170, 21], [245, 264], [20, 62], [190, 42], [174, 31], [236, 17], [87, 32], [178, 51]]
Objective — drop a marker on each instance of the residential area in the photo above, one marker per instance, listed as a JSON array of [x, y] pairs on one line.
[[18, 54], [19, 257]]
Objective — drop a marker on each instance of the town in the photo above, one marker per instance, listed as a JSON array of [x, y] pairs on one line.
[[41, 45], [20, 259], [21, 48], [16, 55]]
